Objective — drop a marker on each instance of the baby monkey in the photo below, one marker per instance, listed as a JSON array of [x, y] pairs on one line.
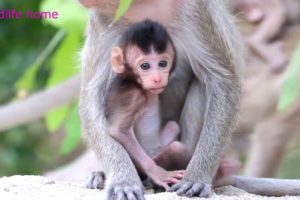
[[143, 62]]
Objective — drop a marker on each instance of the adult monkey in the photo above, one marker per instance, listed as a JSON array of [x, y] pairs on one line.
[[203, 96]]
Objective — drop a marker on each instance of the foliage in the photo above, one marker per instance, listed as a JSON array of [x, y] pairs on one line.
[[20, 43], [27, 82], [289, 167], [290, 89], [22, 149], [40, 54], [123, 7], [73, 22], [62, 55], [72, 16], [73, 127]]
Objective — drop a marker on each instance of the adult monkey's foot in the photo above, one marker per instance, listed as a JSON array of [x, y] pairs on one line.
[[125, 191], [192, 188], [96, 180], [118, 190]]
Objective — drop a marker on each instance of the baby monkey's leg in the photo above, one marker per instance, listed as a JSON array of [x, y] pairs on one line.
[[169, 133], [173, 155], [169, 156]]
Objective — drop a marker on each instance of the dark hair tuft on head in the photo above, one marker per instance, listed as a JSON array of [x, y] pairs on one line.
[[146, 35]]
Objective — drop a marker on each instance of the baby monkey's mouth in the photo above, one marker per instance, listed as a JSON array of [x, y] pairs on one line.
[[158, 88]]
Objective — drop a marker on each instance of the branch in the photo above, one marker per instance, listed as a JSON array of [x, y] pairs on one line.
[[38, 104]]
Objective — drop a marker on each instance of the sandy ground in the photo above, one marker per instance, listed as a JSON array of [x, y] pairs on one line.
[[41, 188]]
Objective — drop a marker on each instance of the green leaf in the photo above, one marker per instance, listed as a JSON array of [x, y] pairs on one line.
[[73, 132], [289, 91], [71, 15], [27, 80], [65, 60], [123, 7], [56, 117]]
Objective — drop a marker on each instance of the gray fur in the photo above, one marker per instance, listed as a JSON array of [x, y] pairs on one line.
[[214, 52], [96, 76], [268, 186], [203, 94]]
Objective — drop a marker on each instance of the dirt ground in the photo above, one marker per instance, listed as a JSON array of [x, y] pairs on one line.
[[41, 188]]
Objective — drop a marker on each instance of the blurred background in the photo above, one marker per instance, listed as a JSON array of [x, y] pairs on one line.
[[37, 56], [39, 88]]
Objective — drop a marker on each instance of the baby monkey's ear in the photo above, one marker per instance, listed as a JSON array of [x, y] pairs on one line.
[[117, 60]]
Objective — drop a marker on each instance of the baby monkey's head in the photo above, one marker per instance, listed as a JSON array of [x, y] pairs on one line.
[[147, 51]]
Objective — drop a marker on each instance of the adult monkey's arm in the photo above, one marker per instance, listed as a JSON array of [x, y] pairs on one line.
[[214, 50], [121, 176]]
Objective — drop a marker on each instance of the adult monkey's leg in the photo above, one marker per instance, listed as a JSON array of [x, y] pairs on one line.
[[207, 39], [213, 48], [96, 77]]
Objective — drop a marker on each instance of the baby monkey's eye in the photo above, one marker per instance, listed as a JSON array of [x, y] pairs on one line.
[[145, 66], [162, 63]]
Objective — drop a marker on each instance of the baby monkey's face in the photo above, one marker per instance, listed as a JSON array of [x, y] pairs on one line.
[[152, 69]]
